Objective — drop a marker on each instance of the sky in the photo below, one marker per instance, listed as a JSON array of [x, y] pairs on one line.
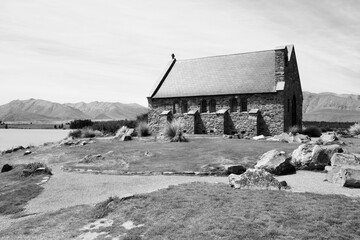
[[116, 50]]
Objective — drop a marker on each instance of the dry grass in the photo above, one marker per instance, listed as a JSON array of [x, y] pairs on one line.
[[143, 129], [207, 211]]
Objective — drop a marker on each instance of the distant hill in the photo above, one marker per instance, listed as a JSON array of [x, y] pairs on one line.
[[331, 107], [328, 107], [107, 110], [36, 110]]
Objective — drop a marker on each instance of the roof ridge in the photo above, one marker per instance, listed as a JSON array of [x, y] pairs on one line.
[[224, 55]]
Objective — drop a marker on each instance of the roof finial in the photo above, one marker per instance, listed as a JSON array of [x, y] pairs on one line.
[[173, 56]]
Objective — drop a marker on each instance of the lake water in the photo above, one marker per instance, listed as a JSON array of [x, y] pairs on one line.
[[24, 137]]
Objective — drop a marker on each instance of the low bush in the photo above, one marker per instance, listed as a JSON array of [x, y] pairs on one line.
[[295, 129], [85, 133], [355, 129], [143, 129], [312, 131], [75, 133], [174, 131], [102, 209], [172, 128]]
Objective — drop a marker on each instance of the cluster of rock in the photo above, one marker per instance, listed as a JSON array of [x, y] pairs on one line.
[[70, 141], [325, 153], [13, 149], [285, 137]]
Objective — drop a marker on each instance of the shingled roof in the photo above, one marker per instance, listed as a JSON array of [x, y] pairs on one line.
[[252, 72]]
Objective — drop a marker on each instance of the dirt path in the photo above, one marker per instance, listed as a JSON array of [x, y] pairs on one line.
[[65, 189]]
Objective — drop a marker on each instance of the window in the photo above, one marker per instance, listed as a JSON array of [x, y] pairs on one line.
[[184, 107], [233, 105], [203, 106], [175, 107], [212, 106], [244, 105]]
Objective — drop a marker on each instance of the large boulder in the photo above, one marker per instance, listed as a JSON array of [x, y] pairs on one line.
[[275, 162], [254, 178], [350, 176], [313, 157], [328, 138], [337, 172]]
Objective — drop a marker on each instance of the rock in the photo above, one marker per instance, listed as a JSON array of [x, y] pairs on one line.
[[301, 138], [328, 138], [14, 149], [260, 137], [350, 176], [125, 138], [148, 154], [6, 168], [254, 178], [130, 132], [27, 152], [338, 161], [222, 169], [313, 157], [275, 162], [283, 137], [235, 169], [91, 158]]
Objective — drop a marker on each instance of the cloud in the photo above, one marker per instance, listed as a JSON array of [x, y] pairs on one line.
[[119, 48]]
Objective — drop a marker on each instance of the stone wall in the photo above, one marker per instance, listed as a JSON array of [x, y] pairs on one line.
[[268, 121], [292, 94]]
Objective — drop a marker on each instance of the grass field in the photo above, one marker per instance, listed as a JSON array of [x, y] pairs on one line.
[[176, 157], [16, 191], [204, 211]]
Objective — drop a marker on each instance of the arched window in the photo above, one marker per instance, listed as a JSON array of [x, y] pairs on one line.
[[175, 107], [184, 107], [212, 106], [244, 103], [233, 105], [203, 106]]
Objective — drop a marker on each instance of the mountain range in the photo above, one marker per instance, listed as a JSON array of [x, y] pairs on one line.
[[328, 107], [41, 111], [331, 107]]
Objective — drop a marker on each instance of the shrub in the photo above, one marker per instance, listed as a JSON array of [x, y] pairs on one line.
[[295, 129], [102, 209], [355, 129], [143, 129], [172, 128], [75, 133], [312, 131], [174, 131], [32, 168]]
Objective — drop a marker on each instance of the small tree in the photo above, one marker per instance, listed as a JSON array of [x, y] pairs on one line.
[[6, 126]]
